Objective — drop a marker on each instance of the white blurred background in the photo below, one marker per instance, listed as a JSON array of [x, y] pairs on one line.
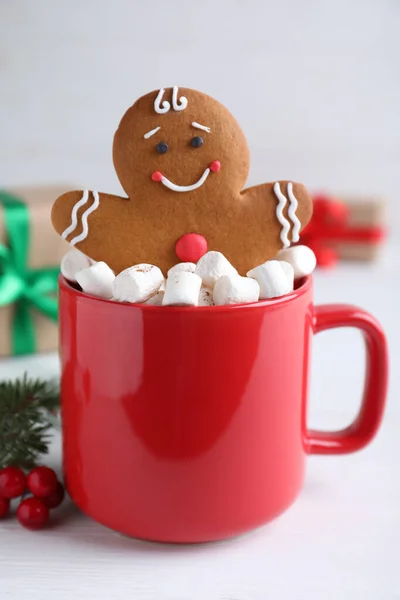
[[314, 84]]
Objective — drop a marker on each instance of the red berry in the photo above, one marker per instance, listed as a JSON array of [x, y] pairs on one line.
[[4, 506], [32, 513], [12, 482], [55, 498], [42, 481]]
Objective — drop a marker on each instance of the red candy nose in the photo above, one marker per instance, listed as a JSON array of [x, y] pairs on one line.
[[215, 166], [191, 247]]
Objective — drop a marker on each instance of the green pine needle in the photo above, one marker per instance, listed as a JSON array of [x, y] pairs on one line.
[[26, 420]]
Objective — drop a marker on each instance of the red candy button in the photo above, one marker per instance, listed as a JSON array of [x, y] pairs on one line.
[[191, 247]]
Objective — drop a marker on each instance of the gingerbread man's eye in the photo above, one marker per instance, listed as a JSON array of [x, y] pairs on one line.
[[197, 141], [162, 148]]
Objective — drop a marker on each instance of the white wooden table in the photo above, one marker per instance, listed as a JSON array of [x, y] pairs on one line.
[[340, 541]]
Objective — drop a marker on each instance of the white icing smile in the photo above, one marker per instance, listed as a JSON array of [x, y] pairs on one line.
[[185, 188]]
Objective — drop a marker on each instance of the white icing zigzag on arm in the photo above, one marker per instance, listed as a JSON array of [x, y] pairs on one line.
[[292, 213], [74, 219], [165, 105], [279, 215], [85, 216]]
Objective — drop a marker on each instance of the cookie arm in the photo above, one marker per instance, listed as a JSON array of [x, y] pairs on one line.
[[84, 217], [283, 207], [260, 225]]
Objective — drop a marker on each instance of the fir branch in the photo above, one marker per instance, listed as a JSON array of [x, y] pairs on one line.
[[26, 420]]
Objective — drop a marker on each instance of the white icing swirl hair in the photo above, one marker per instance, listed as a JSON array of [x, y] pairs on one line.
[[161, 110], [177, 104], [183, 100]]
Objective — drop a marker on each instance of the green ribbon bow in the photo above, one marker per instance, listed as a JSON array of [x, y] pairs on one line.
[[19, 285]]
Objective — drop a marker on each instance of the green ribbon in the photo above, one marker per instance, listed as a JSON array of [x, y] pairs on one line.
[[19, 285]]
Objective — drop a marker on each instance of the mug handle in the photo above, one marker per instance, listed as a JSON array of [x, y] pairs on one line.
[[364, 427]]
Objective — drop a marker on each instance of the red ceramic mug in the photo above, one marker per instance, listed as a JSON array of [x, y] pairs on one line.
[[189, 424]]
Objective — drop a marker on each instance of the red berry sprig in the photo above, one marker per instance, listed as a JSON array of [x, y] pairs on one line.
[[42, 482]]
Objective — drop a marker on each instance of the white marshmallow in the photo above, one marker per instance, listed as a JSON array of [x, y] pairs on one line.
[[212, 266], [274, 277], [97, 280], [184, 266], [301, 258], [137, 283], [182, 289], [74, 261], [235, 290], [155, 300], [206, 297], [288, 270]]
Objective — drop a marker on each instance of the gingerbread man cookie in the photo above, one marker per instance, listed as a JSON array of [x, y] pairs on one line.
[[182, 160]]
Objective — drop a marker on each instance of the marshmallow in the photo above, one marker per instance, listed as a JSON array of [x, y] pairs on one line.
[[73, 262], [235, 290], [288, 270], [212, 266], [301, 258], [97, 280], [184, 266], [206, 297], [155, 300], [137, 283], [182, 289], [274, 277]]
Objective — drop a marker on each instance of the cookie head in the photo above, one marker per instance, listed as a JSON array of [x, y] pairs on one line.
[[178, 140]]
